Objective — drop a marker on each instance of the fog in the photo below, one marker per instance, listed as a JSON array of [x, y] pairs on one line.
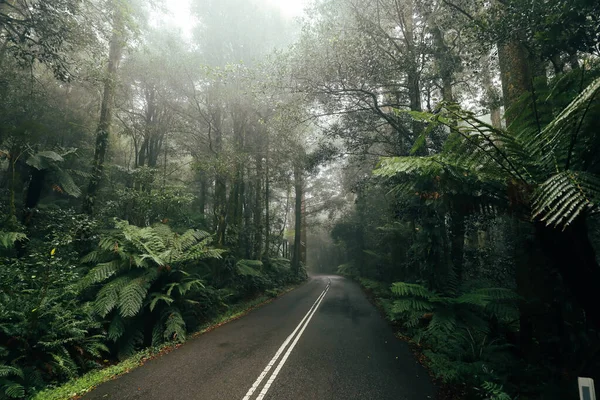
[[165, 162]]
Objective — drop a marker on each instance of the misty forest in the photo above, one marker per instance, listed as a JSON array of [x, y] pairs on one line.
[[165, 165]]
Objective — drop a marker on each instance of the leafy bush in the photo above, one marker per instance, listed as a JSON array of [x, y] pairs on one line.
[[47, 334], [142, 283], [461, 332]]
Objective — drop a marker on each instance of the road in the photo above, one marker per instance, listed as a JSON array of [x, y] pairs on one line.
[[323, 340]]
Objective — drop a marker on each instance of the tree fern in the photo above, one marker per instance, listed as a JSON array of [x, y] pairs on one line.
[[552, 160], [140, 273]]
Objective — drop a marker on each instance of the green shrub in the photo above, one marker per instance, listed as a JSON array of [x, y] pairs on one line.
[[142, 285], [47, 335]]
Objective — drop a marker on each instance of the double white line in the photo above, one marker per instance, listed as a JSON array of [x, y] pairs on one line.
[[301, 327]]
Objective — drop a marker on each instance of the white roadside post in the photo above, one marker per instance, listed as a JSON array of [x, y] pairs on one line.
[[586, 389]]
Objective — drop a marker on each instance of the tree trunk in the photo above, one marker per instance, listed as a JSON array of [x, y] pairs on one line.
[[103, 130], [203, 192], [246, 232], [444, 63], [516, 74], [220, 198], [298, 186], [258, 222], [457, 243], [34, 192], [492, 95], [267, 195]]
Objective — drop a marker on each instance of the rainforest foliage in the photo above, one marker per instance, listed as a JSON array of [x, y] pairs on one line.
[[154, 173], [146, 186], [472, 153]]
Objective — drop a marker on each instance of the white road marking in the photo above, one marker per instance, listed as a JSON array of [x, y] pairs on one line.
[[287, 354], [308, 315]]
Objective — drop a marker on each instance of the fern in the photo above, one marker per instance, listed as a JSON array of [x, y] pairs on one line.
[[174, 326], [143, 273], [411, 289], [565, 196], [12, 390], [493, 391], [131, 298], [249, 267], [552, 159], [8, 239], [466, 309]]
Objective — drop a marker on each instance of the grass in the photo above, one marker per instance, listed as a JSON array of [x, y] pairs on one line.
[[76, 388]]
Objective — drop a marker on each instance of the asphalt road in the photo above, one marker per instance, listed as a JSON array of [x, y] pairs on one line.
[[321, 341]]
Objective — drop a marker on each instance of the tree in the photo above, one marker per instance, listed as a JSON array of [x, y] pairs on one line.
[[116, 46]]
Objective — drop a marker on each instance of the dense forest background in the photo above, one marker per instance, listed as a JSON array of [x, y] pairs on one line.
[[443, 153]]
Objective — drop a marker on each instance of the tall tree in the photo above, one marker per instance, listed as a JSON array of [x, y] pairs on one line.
[[116, 45]]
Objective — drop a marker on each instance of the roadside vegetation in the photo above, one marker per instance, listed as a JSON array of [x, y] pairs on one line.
[[155, 176]]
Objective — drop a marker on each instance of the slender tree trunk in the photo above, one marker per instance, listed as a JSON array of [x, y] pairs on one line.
[[220, 197], [203, 192], [103, 130], [14, 156], [34, 192], [493, 97], [444, 63], [304, 231], [298, 187], [267, 195], [246, 232], [457, 243], [258, 210], [285, 218]]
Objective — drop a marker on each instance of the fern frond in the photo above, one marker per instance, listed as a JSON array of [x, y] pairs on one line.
[[108, 297], [249, 267], [116, 328], [8, 239], [412, 305], [443, 321], [8, 370], [411, 289], [565, 196], [556, 136], [174, 326], [66, 182], [156, 297], [103, 271], [13, 390], [131, 297]]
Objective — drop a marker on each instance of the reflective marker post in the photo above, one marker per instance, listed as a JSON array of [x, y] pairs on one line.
[[586, 389]]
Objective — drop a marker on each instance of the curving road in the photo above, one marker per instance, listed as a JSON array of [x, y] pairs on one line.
[[321, 341]]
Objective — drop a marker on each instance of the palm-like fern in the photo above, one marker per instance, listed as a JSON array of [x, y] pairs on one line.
[[548, 170], [447, 313], [142, 272], [458, 336]]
